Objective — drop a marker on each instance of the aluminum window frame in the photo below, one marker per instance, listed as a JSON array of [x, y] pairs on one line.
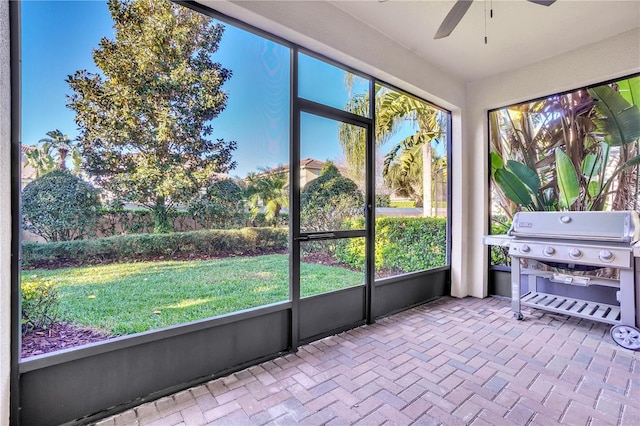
[[296, 105]]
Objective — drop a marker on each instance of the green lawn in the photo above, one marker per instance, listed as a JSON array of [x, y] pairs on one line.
[[128, 298]]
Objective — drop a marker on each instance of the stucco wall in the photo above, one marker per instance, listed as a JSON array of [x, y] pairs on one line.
[[608, 59], [5, 214]]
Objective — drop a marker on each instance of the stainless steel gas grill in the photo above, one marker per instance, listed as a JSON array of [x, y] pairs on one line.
[[566, 258]]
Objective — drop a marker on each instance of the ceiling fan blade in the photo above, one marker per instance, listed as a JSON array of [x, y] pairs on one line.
[[543, 2], [453, 17]]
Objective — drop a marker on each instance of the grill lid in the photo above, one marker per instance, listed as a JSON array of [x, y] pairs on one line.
[[618, 226]]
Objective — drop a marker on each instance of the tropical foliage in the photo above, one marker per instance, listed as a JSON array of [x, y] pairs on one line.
[[51, 154], [575, 151], [145, 119], [268, 191]]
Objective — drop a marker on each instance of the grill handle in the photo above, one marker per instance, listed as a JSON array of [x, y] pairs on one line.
[[570, 279]]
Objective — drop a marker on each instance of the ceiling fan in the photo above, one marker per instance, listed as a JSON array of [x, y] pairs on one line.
[[460, 8]]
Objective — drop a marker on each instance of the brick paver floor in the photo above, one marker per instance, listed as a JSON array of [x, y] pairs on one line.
[[450, 362]]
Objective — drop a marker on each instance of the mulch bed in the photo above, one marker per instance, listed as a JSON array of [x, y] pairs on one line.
[[60, 336], [323, 259]]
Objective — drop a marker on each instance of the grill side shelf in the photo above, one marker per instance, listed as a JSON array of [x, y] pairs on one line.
[[602, 312]]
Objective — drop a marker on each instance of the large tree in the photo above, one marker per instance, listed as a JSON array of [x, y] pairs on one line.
[[145, 118]]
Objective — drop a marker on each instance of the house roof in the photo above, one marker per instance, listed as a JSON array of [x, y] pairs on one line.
[[311, 163], [307, 163]]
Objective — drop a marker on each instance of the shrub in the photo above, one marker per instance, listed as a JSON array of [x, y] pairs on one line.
[[118, 221], [402, 244], [412, 244], [499, 255], [383, 200], [60, 206], [329, 200], [403, 204], [220, 206], [40, 303], [260, 220], [214, 242]]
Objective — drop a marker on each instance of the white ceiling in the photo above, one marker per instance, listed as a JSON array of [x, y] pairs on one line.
[[520, 32]]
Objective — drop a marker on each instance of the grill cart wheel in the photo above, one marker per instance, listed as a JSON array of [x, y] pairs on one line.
[[518, 316], [626, 336]]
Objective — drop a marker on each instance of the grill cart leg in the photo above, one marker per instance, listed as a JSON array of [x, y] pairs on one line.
[[626, 336], [515, 288], [627, 304]]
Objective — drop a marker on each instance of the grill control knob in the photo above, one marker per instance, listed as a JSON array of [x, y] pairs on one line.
[[548, 251], [525, 248], [606, 256], [575, 253], [565, 219]]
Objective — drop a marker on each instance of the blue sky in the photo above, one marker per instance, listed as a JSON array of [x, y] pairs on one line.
[[57, 40], [59, 36]]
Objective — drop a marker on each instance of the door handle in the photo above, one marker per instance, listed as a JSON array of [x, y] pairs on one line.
[[315, 236], [320, 236]]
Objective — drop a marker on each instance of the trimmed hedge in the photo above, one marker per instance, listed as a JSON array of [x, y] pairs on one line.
[[215, 242], [123, 221], [403, 244]]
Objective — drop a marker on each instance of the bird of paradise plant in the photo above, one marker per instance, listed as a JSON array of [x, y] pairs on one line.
[[575, 151]]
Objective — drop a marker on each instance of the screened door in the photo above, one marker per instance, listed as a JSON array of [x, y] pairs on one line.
[[331, 229]]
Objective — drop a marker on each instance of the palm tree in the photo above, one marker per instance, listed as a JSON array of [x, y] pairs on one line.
[[60, 142], [393, 109], [40, 159], [269, 190], [52, 154], [404, 174]]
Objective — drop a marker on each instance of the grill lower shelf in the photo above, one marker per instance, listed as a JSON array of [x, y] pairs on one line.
[[595, 311]]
